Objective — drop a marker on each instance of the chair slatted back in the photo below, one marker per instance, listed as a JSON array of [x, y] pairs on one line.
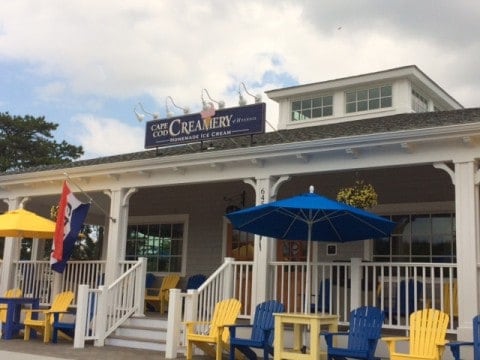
[[168, 282], [195, 281], [450, 298], [61, 302], [428, 328], [225, 313], [10, 293], [264, 320], [365, 324]]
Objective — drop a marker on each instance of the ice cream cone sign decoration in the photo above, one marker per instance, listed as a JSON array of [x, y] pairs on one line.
[[207, 115]]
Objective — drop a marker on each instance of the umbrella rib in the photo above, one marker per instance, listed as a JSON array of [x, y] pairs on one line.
[[329, 217]]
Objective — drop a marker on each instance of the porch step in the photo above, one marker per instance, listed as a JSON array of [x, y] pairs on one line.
[[140, 333]]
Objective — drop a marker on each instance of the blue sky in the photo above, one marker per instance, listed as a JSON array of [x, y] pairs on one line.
[[85, 64]]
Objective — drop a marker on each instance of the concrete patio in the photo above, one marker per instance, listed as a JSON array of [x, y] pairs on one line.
[[18, 349]]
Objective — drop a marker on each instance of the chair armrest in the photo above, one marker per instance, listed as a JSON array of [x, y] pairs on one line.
[[455, 347], [239, 326], [152, 291], [329, 336], [190, 325], [56, 314], [233, 328], [395, 338], [392, 340], [29, 312]]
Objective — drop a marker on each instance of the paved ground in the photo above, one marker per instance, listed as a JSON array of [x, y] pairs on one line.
[[18, 349]]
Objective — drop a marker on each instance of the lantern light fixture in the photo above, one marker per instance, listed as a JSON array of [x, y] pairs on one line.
[[241, 99], [169, 113], [220, 104], [141, 115]]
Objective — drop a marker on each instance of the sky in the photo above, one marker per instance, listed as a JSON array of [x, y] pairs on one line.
[[86, 64]]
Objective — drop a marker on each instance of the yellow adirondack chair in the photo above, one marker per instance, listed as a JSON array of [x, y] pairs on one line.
[[450, 299], [217, 339], [428, 329], [43, 324], [158, 297], [11, 293]]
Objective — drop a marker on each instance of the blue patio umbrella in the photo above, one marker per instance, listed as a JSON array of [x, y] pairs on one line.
[[311, 217]]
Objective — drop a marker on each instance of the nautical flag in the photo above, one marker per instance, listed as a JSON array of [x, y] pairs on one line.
[[70, 217]]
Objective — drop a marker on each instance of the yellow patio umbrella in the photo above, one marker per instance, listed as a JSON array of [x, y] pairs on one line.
[[25, 224]]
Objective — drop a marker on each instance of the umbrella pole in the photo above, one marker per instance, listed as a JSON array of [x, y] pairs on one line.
[[308, 276]]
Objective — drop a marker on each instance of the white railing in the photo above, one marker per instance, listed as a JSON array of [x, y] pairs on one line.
[[107, 308], [330, 290], [400, 289], [233, 279], [36, 278]]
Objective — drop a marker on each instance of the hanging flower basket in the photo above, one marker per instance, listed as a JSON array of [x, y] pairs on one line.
[[360, 195], [54, 212]]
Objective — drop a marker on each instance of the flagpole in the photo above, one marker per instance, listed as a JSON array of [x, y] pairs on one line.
[[89, 197]]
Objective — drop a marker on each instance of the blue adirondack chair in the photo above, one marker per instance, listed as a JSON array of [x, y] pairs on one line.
[[68, 327], [261, 331], [195, 281], [455, 345], [363, 335], [323, 299], [405, 302]]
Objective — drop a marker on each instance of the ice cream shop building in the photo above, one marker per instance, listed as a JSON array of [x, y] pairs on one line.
[[164, 208]]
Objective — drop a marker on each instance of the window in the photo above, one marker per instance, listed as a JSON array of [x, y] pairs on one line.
[[419, 238], [312, 108], [419, 103], [368, 99], [239, 244], [162, 243]]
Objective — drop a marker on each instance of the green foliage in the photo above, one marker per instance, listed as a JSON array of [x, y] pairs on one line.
[[27, 141]]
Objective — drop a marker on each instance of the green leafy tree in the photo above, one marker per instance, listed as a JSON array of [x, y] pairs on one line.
[[27, 141]]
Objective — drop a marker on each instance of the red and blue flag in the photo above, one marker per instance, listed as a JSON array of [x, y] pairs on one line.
[[70, 218]]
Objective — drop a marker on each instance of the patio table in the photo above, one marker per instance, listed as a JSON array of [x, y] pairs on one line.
[[300, 321], [14, 307]]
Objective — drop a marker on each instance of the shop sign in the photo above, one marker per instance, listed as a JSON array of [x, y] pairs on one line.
[[207, 125]]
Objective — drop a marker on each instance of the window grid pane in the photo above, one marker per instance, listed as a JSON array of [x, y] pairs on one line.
[[161, 244], [368, 99], [312, 108], [419, 238]]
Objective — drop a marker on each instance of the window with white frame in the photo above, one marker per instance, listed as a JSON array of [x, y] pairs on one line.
[[161, 241], [377, 97], [419, 238], [419, 103], [312, 108]]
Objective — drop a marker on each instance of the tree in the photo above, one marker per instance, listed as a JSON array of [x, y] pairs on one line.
[[28, 142]]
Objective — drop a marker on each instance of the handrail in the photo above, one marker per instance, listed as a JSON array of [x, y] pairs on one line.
[[115, 304], [231, 279]]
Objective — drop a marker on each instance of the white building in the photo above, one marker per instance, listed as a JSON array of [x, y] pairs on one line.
[[396, 129]]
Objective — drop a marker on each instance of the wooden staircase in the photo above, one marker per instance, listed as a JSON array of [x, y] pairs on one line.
[[141, 333]]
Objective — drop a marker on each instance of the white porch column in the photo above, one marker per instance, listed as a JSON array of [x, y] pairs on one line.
[[11, 251], [265, 191], [466, 209], [117, 232], [465, 178]]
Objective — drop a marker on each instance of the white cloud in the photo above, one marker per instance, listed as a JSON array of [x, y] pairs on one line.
[[89, 54], [104, 136]]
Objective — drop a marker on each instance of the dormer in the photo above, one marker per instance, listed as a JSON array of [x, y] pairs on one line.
[[395, 91]]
